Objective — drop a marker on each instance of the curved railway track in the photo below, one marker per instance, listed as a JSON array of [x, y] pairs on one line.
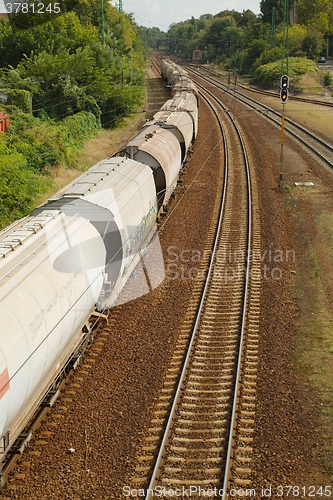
[[319, 146], [269, 92], [203, 422]]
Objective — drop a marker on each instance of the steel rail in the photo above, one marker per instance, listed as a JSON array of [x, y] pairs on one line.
[[270, 93], [167, 431], [246, 290], [253, 104], [246, 287], [152, 483]]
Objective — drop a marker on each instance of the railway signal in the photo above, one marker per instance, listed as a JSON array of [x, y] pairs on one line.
[[284, 86]]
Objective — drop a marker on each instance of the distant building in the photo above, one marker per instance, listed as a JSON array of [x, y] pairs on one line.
[[3, 95], [197, 55], [5, 92], [4, 122], [3, 10]]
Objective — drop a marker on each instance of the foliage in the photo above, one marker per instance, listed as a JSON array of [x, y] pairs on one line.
[[28, 151], [68, 66], [44, 143], [269, 55], [296, 37], [248, 42], [270, 74], [62, 33], [315, 13], [66, 83], [327, 78], [266, 8], [78, 76], [20, 99], [20, 186], [253, 53], [154, 37], [312, 44]]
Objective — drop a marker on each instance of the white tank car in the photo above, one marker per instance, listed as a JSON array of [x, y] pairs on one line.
[[185, 84], [177, 77], [46, 292], [118, 197], [158, 148], [171, 71], [76, 250], [180, 116]]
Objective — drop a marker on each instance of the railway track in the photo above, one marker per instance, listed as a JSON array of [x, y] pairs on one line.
[[317, 145], [269, 93], [155, 96], [200, 438]]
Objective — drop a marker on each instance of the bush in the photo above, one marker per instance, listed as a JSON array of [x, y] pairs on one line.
[[327, 79], [21, 99], [80, 126], [27, 149], [20, 187], [45, 143], [268, 56], [270, 74]]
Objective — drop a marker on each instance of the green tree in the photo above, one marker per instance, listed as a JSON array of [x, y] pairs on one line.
[[296, 36], [315, 13], [62, 33], [253, 53], [266, 9], [312, 44]]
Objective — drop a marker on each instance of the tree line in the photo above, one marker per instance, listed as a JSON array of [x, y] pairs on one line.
[[246, 42], [66, 75], [67, 66], [79, 67]]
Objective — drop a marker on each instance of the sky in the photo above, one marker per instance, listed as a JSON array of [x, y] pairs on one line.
[[162, 13]]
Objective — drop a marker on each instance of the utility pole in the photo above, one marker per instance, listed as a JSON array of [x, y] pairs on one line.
[[273, 34], [293, 13], [285, 43], [120, 5], [284, 84], [101, 32]]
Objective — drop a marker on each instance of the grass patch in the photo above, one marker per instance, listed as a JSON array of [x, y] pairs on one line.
[[309, 83], [107, 142], [313, 337], [317, 269]]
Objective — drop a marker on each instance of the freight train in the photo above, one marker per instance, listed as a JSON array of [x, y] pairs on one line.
[[73, 255]]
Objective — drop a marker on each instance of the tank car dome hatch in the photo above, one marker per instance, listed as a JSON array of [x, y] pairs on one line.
[[158, 148]]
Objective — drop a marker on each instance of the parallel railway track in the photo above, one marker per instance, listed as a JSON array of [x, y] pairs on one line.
[[270, 93], [202, 430], [319, 146]]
